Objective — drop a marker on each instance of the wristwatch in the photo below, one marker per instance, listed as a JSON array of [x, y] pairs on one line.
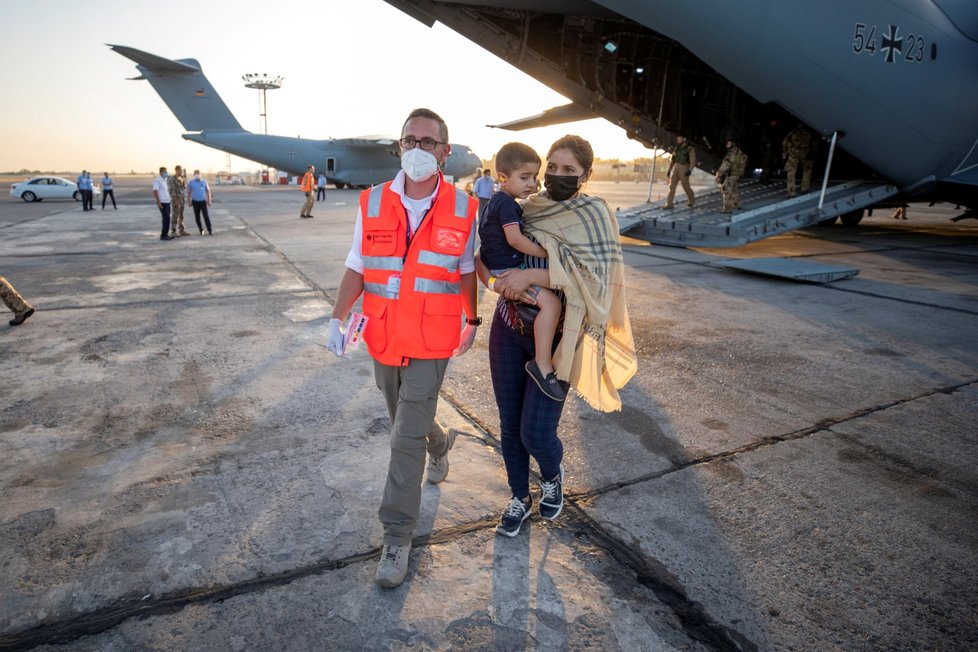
[[474, 322]]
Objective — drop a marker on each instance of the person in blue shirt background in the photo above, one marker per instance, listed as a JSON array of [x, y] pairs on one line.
[[85, 188], [107, 190], [199, 194], [321, 187], [483, 189]]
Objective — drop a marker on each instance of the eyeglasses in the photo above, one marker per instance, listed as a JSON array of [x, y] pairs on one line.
[[410, 142]]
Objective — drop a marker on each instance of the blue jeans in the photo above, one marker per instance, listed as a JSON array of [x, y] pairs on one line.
[[527, 418]]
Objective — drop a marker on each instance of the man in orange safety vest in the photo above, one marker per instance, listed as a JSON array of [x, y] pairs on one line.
[[307, 187], [412, 259]]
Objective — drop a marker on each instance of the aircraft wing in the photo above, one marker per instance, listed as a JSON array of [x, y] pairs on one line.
[[555, 116]]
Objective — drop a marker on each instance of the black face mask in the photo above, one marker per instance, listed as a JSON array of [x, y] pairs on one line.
[[561, 187]]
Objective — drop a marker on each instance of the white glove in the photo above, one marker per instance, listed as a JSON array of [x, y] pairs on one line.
[[335, 340], [465, 340]]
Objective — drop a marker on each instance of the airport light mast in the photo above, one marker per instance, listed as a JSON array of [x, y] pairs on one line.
[[263, 83]]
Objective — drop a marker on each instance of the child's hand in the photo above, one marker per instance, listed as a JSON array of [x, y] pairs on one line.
[[512, 285]]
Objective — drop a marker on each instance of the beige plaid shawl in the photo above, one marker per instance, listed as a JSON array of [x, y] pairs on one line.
[[596, 353]]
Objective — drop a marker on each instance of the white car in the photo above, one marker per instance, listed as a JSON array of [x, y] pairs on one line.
[[41, 188]]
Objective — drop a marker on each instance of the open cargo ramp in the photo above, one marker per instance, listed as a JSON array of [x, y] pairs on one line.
[[764, 212]]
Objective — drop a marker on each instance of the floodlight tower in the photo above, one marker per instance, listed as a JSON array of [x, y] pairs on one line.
[[263, 83]]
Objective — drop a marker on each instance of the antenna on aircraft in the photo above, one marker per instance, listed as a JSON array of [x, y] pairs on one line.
[[263, 83]]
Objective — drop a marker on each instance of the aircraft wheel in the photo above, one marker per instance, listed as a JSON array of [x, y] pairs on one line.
[[339, 185], [852, 218], [29, 196]]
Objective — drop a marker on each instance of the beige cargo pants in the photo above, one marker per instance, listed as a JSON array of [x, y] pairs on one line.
[[411, 394]]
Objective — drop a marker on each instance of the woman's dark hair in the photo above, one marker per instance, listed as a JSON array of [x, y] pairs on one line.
[[580, 148]]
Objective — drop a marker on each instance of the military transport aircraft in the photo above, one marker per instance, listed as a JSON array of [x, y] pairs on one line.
[[892, 87], [355, 162]]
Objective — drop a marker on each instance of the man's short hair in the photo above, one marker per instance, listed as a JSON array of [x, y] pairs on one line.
[[513, 156], [431, 115]]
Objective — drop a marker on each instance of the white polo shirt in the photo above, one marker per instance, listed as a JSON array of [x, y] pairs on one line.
[[415, 209]]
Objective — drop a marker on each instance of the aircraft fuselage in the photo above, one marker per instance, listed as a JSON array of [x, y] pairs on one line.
[[346, 162], [896, 78]]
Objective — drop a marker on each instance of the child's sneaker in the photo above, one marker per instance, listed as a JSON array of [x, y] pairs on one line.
[[552, 496], [548, 384]]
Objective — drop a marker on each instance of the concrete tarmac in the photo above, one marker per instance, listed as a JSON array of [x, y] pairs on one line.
[[186, 467]]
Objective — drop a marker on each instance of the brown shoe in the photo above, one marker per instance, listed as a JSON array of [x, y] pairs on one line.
[[22, 317]]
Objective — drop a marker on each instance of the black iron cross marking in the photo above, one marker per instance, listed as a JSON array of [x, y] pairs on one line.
[[892, 41], [291, 153]]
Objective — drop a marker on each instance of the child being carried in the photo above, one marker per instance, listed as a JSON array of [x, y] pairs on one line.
[[504, 246]]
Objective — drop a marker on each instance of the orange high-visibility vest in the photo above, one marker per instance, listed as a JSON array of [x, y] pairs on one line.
[[306, 185], [412, 292]]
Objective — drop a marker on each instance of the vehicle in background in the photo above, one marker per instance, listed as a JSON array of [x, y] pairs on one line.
[[41, 188], [227, 179]]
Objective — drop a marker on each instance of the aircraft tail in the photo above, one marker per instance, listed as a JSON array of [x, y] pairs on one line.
[[184, 88]]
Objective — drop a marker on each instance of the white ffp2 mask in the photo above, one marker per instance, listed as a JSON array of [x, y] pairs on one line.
[[418, 164]]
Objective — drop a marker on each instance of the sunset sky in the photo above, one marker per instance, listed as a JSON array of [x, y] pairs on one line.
[[350, 69]]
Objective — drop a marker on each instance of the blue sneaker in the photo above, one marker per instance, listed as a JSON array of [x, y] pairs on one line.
[[513, 517], [552, 496]]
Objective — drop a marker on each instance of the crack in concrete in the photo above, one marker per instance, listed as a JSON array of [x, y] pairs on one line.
[[770, 440], [651, 573], [910, 302], [125, 608], [695, 621]]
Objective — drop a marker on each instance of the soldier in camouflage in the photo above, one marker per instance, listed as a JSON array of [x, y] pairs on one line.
[[683, 162], [799, 146], [731, 169], [21, 309], [177, 185]]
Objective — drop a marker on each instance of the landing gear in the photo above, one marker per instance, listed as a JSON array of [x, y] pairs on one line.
[[852, 218]]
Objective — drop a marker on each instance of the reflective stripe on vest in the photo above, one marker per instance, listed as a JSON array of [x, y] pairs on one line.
[[390, 263], [380, 290], [436, 287], [446, 261], [373, 202], [461, 203]]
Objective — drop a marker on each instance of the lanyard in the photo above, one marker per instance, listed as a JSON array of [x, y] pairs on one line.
[[409, 234]]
